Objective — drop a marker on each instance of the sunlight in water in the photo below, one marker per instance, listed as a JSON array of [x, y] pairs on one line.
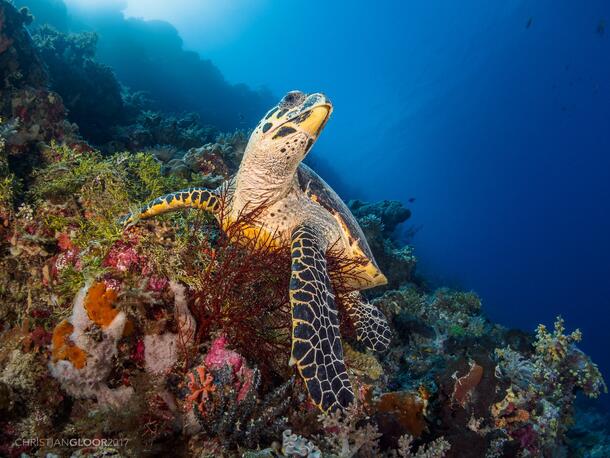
[[208, 22]]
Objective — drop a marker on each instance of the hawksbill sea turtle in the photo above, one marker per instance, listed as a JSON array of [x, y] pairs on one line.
[[302, 211]]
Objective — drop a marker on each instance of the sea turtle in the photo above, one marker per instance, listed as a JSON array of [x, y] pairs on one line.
[[301, 210]]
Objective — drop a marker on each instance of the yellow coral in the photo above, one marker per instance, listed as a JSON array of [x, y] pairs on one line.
[[554, 347], [362, 363], [505, 412]]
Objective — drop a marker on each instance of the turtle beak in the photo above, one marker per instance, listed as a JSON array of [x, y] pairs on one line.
[[315, 119]]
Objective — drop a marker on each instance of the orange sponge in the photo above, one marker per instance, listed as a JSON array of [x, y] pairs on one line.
[[64, 349], [98, 304]]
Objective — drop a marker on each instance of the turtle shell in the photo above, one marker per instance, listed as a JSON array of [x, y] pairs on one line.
[[319, 191]]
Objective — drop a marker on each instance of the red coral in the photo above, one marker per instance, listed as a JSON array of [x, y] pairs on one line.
[[244, 288], [200, 385], [40, 337], [464, 386], [138, 353], [64, 242], [244, 293]]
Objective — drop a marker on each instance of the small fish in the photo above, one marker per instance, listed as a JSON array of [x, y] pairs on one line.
[[411, 200], [601, 27], [529, 22]]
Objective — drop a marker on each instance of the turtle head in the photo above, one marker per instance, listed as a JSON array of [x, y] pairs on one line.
[[278, 144], [288, 131]]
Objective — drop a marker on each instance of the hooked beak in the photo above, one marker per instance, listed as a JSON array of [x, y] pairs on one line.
[[316, 119]]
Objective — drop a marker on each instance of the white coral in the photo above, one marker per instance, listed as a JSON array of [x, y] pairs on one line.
[[161, 351]]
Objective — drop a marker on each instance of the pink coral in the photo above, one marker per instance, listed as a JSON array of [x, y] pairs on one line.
[[157, 284], [122, 256], [67, 258], [220, 356], [112, 283]]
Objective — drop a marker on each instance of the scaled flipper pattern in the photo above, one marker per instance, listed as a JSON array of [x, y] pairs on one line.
[[316, 342], [200, 198], [372, 328]]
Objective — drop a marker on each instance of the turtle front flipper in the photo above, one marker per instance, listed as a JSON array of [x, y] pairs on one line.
[[372, 328], [316, 343], [200, 198]]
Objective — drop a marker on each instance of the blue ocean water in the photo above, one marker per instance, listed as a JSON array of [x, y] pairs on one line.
[[494, 117]]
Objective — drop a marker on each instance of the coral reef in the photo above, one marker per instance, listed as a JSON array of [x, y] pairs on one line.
[[221, 398], [168, 135], [34, 113], [170, 338], [89, 89], [379, 221]]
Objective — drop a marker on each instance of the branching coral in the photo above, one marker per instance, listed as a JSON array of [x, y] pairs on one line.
[[242, 291], [538, 405], [435, 449], [347, 433]]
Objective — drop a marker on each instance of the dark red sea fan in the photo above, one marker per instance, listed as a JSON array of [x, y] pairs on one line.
[[243, 292], [243, 289]]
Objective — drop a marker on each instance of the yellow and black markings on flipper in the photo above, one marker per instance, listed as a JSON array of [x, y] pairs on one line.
[[372, 328], [200, 198], [316, 342]]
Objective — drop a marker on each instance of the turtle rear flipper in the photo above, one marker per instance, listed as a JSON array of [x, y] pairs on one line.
[[316, 343], [200, 198], [372, 328]]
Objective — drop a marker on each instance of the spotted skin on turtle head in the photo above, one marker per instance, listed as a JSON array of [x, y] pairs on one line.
[[372, 328], [200, 198], [316, 343]]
